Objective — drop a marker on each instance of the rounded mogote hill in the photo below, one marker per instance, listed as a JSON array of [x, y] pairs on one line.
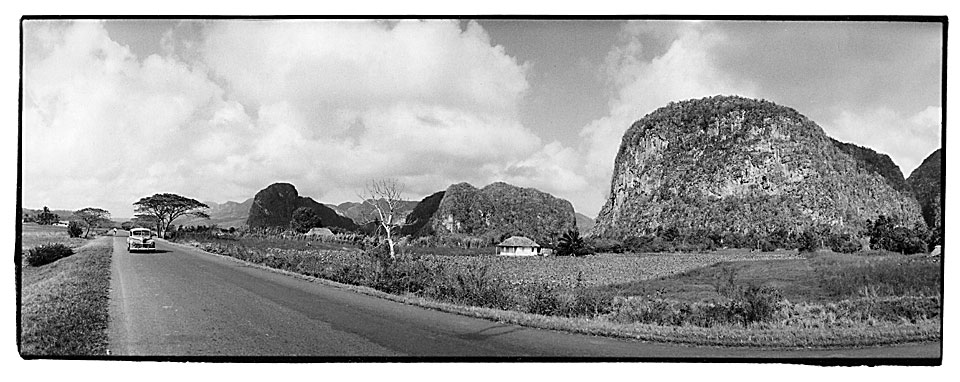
[[730, 164]]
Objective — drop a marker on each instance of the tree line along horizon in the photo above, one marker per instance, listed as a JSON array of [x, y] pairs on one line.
[[885, 233]]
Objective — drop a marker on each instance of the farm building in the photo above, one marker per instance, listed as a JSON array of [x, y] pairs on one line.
[[321, 232], [518, 246]]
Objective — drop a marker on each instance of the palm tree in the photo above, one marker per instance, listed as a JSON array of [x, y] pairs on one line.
[[571, 244]]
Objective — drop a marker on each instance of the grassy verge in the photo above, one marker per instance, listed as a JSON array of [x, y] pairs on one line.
[[64, 304]]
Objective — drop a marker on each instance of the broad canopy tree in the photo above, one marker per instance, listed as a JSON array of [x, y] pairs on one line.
[[92, 217], [166, 208]]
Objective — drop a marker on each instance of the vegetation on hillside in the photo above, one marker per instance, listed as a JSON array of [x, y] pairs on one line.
[[926, 183], [731, 165], [417, 222], [875, 162], [274, 206], [500, 210]]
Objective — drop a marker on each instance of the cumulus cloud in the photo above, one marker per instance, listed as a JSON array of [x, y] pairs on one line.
[[343, 102], [907, 138], [646, 80], [99, 123], [324, 105]]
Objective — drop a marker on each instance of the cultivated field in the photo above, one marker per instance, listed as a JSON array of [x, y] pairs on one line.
[[601, 269], [729, 297]]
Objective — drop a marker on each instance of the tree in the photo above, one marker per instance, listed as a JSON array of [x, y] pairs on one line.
[[127, 225], [46, 217], [168, 207], [571, 244], [145, 221], [74, 229], [384, 196], [809, 241], [304, 218], [92, 217]]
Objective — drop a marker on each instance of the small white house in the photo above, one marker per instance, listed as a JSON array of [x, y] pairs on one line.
[[518, 246]]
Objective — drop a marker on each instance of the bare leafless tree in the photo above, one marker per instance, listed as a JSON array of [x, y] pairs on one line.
[[384, 195]]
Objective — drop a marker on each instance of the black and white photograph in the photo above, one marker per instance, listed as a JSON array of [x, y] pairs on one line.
[[665, 189]]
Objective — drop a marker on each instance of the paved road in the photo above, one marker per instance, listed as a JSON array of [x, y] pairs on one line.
[[183, 302]]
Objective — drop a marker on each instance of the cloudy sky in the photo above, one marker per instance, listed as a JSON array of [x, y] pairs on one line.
[[217, 110]]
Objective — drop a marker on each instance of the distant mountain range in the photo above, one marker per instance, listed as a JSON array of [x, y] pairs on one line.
[[362, 212], [225, 215]]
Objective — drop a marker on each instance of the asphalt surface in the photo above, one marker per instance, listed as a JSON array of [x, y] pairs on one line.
[[183, 302]]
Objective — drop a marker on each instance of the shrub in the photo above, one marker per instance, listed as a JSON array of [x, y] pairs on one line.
[[886, 233], [843, 243], [47, 253], [605, 245], [74, 229], [767, 246], [755, 304], [473, 286], [304, 218], [589, 303], [407, 274], [809, 241], [350, 274], [571, 244], [544, 300], [781, 238], [748, 305]]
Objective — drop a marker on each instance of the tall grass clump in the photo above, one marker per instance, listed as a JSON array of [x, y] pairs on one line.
[[474, 286], [46, 254], [882, 278]]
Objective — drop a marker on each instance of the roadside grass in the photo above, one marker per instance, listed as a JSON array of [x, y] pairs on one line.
[[64, 304], [725, 298]]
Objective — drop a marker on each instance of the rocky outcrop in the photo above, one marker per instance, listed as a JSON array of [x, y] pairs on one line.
[[500, 210], [926, 183], [730, 164], [273, 207], [417, 222], [881, 164]]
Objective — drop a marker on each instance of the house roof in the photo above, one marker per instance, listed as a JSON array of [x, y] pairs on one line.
[[320, 232], [518, 241]]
